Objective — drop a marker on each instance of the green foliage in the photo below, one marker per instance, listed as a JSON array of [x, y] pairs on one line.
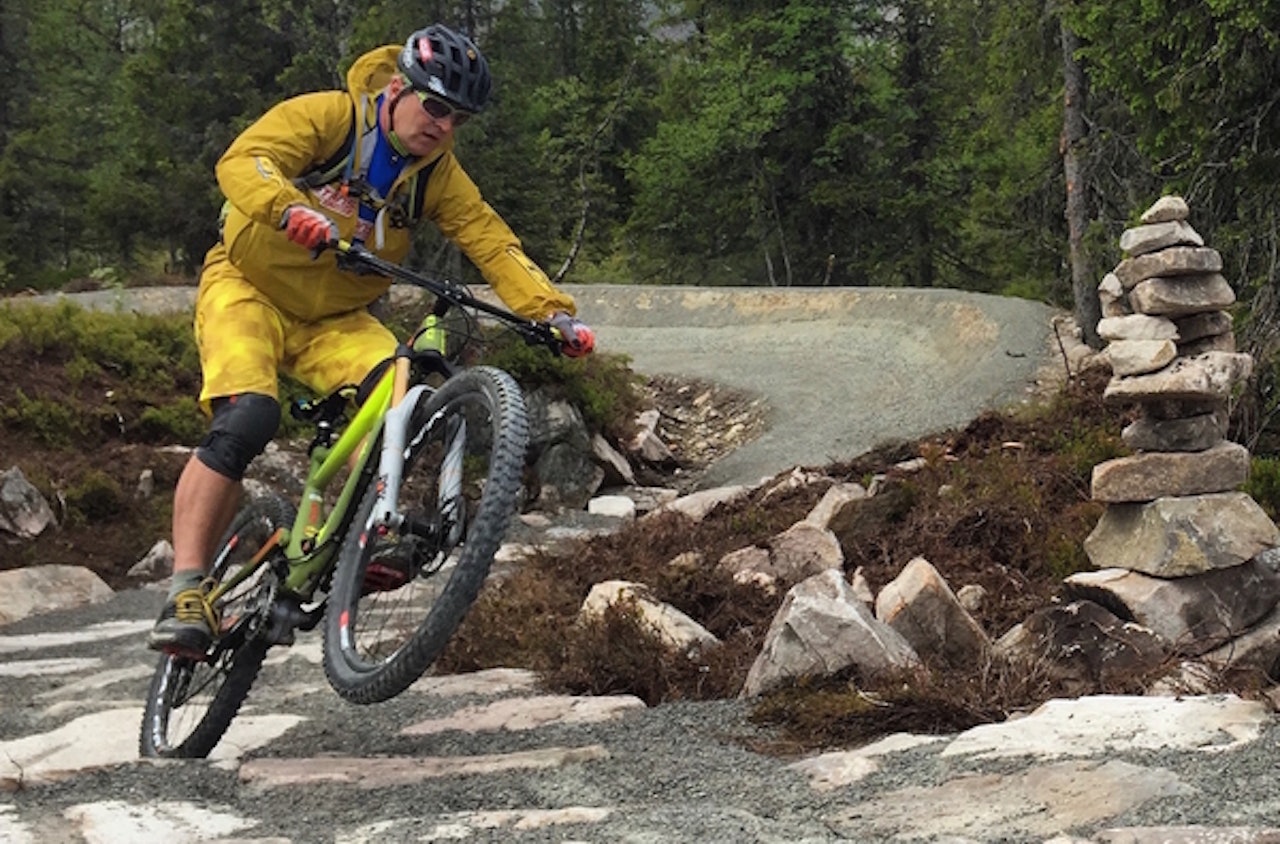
[[180, 421], [48, 421], [691, 141], [145, 349], [96, 497], [1264, 484], [101, 375], [602, 386]]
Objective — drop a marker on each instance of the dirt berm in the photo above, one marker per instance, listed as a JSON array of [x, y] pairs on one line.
[[841, 370]]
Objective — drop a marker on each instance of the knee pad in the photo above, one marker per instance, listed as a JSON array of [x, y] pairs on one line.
[[242, 427]]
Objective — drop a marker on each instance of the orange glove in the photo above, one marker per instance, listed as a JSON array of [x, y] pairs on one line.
[[578, 338], [308, 227]]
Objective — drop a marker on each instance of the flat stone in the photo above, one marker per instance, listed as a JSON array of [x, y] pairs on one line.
[[1166, 209], [529, 713], [1136, 357], [1208, 324], [39, 667], [1191, 433], [837, 769], [1161, 474], [1208, 377], [1137, 327], [697, 505], [62, 639], [1024, 806], [1192, 615], [12, 829], [1175, 537], [1188, 835], [1100, 725], [490, 681], [375, 773], [107, 738], [617, 506], [1177, 297], [116, 820], [1257, 649], [454, 826], [1216, 343], [1176, 260], [1151, 237]]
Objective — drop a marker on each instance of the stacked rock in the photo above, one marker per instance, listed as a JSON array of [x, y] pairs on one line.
[[1175, 525]]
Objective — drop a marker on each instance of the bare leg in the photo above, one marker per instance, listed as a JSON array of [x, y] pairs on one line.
[[203, 505]]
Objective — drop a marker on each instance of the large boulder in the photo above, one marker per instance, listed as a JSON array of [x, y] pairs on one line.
[[823, 628]]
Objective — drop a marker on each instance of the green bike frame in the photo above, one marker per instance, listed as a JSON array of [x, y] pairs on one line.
[[310, 546]]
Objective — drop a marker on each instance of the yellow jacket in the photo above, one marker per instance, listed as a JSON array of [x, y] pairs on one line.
[[257, 173]]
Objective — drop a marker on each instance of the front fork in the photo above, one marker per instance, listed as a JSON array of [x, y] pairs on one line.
[[386, 514]]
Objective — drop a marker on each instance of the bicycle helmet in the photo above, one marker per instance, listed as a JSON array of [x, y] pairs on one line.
[[448, 65]]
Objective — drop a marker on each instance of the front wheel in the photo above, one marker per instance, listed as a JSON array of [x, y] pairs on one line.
[[191, 703], [398, 596]]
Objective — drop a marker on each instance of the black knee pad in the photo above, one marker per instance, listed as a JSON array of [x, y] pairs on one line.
[[242, 427]]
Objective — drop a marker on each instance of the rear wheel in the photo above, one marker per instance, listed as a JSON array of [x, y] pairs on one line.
[[192, 702], [398, 596]]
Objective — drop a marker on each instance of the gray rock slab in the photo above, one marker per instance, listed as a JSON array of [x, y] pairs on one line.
[[365, 773], [1160, 474], [1191, 614], [1175, 537], [1040, 801], [1108, 724]]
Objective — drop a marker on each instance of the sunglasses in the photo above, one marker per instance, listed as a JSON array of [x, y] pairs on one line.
[[439, 109]]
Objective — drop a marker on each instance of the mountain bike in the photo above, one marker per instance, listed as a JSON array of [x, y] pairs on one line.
[[409, 492]]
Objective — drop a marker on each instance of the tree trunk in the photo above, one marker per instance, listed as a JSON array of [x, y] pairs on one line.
[[1084, 287]]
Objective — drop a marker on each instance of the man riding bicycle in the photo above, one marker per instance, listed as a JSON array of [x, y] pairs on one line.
[[365, 165]]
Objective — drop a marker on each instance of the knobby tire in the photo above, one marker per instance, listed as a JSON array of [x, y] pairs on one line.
[[227, 680], [356, 671]]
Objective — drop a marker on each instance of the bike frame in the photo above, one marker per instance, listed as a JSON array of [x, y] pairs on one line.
[[311, 545]]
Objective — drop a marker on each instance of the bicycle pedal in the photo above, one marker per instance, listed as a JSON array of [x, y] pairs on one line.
[[384, 578]]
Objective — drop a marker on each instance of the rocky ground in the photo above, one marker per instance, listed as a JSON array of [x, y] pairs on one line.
[[493, 752]]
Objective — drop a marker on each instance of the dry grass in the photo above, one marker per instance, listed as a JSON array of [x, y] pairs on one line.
[[1003, 503]]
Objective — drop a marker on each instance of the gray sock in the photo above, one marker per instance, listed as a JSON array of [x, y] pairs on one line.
[[184, 580]]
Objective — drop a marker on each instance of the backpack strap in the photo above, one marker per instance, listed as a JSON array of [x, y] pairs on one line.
[[351, 161]]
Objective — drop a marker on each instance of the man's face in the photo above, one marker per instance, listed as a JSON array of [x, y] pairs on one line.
[[423, 122]]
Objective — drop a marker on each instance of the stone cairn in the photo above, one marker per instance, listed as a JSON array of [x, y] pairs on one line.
[[1179, 549]]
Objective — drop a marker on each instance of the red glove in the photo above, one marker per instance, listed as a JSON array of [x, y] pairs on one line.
[[308, 227], [577, 337]]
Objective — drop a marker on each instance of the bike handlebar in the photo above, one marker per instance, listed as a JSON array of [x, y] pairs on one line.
[[537, 333]]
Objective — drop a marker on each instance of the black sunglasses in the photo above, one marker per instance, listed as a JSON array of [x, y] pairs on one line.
[[440, 109]]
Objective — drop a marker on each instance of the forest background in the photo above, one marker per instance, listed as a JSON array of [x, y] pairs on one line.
[[996, 146]]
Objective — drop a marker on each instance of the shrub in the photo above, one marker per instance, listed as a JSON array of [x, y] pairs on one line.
[[1264, 484], [96, 497], [50, 422], [180, 422], [602, 386]]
